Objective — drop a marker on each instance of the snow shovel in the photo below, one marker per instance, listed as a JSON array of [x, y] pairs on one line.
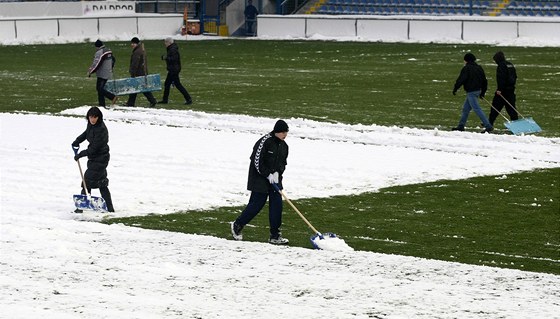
[[525, 125], [88, 202], [322, 241]]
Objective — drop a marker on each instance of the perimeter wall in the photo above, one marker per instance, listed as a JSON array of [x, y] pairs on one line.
[[107, 21], [411, 28]]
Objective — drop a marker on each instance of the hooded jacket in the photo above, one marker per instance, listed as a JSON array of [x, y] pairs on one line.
[[503, 73], [472, 78], [269, 155], [173, 59], [98, 149]]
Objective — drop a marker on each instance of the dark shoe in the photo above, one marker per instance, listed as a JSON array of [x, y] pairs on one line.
[[278, 240], [78, 211], [189, 102], [458, 128], [153, 104], [487, 130], [236, 231], [162, 102]]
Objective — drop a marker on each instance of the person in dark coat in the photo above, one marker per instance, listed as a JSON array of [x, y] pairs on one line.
[[268, 162], [97, 153], [473, 79], [505, 89], [173, 61], [251, 14], [139, 67], [102, 66]]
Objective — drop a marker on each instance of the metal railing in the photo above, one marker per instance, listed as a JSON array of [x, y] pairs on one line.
[[169, 6]]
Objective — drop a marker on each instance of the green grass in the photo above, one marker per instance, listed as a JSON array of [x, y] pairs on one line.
[[469, 221], [491, 221], [368, 83]]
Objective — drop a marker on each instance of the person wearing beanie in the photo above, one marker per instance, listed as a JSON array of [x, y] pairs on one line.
[[506, 77], [173, 62], [473, 79], [268, 162], [139, 67], [102, 66]]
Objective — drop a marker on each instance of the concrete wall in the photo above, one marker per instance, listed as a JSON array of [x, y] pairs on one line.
[[459, 29], [411, 28], [34, 30]]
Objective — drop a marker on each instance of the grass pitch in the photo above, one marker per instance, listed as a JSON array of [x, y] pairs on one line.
[[511, 222]]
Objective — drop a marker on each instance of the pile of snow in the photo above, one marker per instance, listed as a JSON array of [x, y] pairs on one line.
[[55, 265]]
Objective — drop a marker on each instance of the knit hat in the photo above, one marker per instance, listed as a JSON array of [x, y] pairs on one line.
[[469, 57], [135, 40], [98, 44], [280, 126]]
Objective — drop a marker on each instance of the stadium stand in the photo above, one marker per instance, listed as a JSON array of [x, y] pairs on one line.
[[435, 7]]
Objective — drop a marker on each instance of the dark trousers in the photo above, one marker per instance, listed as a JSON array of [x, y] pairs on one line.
[[102, 93], [103, 186], [173, 78], [250, 23], [498, 102], [132, 98], [256, 203]]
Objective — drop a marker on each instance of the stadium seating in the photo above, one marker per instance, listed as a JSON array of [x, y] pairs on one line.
[[437, 7]]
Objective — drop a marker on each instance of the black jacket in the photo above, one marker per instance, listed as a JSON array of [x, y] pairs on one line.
[[269, 155], [472, 78], [502, 76], [97, 151], [173, 59]]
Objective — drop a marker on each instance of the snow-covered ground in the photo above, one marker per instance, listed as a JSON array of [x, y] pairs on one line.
[[55, 264]]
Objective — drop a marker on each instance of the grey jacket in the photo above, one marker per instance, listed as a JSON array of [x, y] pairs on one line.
[[102, 64]]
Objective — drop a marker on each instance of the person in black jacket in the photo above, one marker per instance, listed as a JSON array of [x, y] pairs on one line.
[[251, 14], [268, 162], [473, 79], [173, 61], [505, 78], [98, 155], [139, 67]]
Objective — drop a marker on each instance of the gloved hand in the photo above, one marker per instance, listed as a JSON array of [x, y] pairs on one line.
[[81, 154], [273, 178], [481, 96], [454, 92], [75, 148]]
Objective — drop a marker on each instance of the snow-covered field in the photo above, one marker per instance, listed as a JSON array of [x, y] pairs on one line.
[[55, 264]]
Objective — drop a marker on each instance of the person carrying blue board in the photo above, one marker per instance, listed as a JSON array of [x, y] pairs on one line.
[[102, 66]]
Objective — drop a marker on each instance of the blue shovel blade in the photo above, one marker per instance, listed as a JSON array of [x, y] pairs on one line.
[[320, 236], [523, 126], [91, 203]]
